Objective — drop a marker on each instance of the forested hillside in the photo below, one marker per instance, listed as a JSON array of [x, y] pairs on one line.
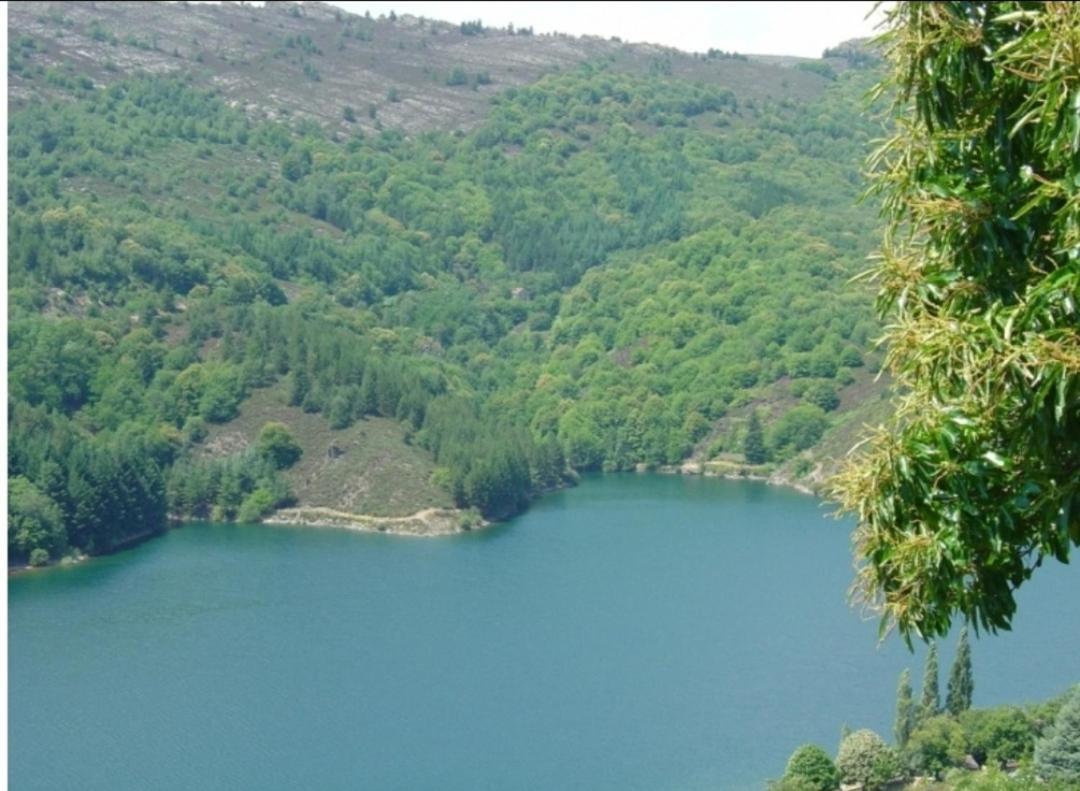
[[619, 265]]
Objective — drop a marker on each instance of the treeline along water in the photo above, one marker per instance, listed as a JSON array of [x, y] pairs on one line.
[[636, 632]]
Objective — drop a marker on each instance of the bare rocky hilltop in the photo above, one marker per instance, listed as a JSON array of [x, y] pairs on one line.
[[316, 61]]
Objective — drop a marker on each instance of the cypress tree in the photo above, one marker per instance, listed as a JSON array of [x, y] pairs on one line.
[[298, 387], [1057, 754], [754, 444], [369, 403], [961, 681], [905, 710], [930, 704]]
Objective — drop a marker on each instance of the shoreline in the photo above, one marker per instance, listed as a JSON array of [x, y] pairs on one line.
[[425, 523], [739, 474]]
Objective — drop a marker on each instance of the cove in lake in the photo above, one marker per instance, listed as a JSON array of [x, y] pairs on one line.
[[635, 632]]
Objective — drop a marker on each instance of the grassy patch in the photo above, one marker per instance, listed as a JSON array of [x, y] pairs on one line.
[[372, 471]]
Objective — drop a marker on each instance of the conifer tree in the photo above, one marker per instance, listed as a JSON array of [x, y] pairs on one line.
[[1057, 754], [961, 681], [930, 704], [754, 444], [905, 710]]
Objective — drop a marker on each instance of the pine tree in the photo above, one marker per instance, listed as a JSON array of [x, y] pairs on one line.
[[369, 403], [298, 387], [961, 682], [754, 444], [1057, 754], [905, 710], [930, 704]]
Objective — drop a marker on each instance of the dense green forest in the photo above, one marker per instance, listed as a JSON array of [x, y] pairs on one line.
[[597, 276]]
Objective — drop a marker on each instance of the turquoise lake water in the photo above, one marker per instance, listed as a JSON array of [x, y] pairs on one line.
[[636, 632]]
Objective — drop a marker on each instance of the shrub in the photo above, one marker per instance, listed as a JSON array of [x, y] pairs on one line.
[[822, 394], [865, 758], [937, 744], [276, 443], [792, 783], [257, 505], [812, 764], [800, 428], [998, 735], [195, 429], [35, 523]]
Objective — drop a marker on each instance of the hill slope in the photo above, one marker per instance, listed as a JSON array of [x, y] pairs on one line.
[[613, 267], [311, 60]]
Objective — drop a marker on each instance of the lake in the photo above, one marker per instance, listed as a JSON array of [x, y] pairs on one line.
[[636, 632]]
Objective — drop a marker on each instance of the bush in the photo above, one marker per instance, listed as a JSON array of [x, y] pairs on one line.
[[35, 523], [812, 764], [998, 735], [822, 394], [792, 783], [799, 428], [257, 505], [276, 443], [936, 745], [865, 758], [195, 429]]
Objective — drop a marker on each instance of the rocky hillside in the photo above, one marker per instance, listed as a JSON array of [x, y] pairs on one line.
[[313, 60]]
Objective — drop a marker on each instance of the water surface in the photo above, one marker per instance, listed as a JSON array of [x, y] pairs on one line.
[[637, 632]]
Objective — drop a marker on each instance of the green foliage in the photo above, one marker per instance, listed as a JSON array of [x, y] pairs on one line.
[[754, 442], [937, 744], [994, 779], [35, 524], [39, 557], [244, 486], [961, 678], [822, 395], [799, 428], [575, 284], [906, 713], [792, 783], [818, 67], [256, 505], [277, 444], [975, 482], [813, 765], [865, 758], [930, 703], [107, 488], [1057, 754], [996, 736]]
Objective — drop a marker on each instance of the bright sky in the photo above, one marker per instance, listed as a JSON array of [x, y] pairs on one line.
[[760, 28]]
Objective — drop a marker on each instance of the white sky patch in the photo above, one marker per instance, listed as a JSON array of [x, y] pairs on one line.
[[803, 28]]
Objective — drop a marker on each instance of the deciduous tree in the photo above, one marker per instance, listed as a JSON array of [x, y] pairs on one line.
[[976, 482]]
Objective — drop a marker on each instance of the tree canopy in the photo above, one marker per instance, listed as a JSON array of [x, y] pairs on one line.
[[976, 482]]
